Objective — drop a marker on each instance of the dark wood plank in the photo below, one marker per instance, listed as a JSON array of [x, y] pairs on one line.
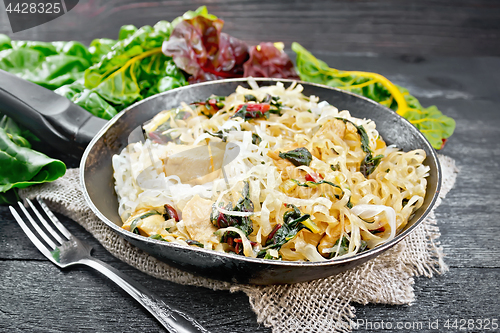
[[459, 294], [43, 298], [465, 89], [416, 27]]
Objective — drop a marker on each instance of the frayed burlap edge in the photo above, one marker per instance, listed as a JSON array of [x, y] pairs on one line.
[[322, 305]]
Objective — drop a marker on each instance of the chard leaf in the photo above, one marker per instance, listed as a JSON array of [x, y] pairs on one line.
[[5, 42], [256, 139], [430, 121], [198, 47], [56, 254], [126, 31], [313, 184], [87, 99], [281, 234], [435, 126], [50, 65], [299, 156], [133, 225], [369, 163], [100, 47], [158, 237], [343, 247], [244, 204], [15, 132], [22, 167], [9, 197], [310, 183], [200, 11], [134, 68], [194, 242]]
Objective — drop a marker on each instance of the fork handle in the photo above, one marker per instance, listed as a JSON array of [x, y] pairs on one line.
[[173, 320]]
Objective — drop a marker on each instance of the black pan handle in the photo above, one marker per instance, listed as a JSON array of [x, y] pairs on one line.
[[53, 118]]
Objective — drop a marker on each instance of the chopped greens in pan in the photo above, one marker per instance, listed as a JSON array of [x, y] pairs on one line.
[[301, 184]]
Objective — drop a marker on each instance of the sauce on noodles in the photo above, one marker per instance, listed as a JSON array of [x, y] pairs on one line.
[[307, 182]]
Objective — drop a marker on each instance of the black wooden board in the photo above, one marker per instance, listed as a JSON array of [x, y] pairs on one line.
[[445, 52]]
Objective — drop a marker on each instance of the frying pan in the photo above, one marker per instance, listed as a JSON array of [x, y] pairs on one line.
[[70, 128]]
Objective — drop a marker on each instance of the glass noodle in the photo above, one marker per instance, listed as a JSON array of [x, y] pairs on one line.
[[308, 182]]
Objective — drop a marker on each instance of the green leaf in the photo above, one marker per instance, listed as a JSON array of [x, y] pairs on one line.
[[126, 31], [430, 121], [56, 254], [194, 242], [5, 42], [281, 234], [100, 47], [312, 184], [369, 163], [158, 237], [133, 225], [13, 131], [17, 133], [435, 126], [244, 223], [299, 156], [344, 247], [200, 11], [48, 64], [22, 167]]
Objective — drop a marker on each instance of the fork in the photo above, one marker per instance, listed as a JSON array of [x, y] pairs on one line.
[[65, 250]]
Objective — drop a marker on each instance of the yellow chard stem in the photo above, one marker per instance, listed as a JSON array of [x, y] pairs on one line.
[[396, 94], [131, 62]]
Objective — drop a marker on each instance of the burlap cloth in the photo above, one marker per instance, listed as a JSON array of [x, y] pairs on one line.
[[318, 306]]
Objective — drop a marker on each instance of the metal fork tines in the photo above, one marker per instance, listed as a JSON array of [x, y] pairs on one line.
[[57, 244]]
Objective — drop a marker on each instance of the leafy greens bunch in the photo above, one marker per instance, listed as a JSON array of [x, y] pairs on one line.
[[50, 65], [128, 69]]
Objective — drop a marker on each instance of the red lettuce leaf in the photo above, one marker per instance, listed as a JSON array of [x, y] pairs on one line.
[[268, 61], [199, 48]]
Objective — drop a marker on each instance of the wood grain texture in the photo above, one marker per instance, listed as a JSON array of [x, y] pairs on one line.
[[416, 27], [35, 293], [47, 299], [425, 42]]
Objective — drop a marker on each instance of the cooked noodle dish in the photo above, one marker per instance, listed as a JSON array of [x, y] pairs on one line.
[[267, 172]]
